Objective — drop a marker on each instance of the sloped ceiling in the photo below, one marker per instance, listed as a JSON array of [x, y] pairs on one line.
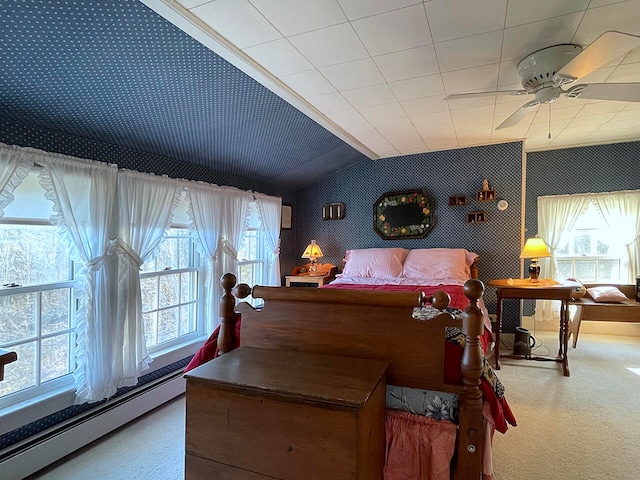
[[379, 69], [287, 91], [114, 71]]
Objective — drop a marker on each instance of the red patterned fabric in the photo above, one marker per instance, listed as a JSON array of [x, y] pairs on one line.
[[417, 447]]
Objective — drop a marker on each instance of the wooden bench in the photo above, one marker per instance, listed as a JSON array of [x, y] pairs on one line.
[[589, 310]]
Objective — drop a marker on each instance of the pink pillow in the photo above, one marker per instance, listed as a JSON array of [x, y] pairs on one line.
[[374, 262], [607, 294], [433, 266]]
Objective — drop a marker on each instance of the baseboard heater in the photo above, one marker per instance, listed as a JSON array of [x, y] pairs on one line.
[[34, 454]]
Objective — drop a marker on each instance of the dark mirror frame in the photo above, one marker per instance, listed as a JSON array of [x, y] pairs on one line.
[[403, 214]]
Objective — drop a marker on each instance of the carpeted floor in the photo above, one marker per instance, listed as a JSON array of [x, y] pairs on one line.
[[583, 427]]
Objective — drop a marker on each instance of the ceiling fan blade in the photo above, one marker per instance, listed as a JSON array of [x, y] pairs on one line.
[[607, 47], [622, 92], [458, 96], [517, 116]]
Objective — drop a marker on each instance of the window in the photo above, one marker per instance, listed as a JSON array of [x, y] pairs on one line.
[[36, 297], [171, 293], [590, 251], [252, 257]]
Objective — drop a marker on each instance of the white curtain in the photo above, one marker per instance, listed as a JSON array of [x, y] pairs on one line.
[[14, 167], [83, 193], [145, 207], [206, 204], [556, 215], [235, 221], [621, 212], [270, 211]]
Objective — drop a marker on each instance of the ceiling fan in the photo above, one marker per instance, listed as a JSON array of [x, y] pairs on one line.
[[545, 72]]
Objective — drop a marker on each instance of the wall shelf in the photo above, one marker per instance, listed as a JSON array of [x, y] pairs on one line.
[[477, 217], [457, 200]]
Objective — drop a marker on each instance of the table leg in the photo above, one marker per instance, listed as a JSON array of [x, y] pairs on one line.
[[565, 340], [497, 329]]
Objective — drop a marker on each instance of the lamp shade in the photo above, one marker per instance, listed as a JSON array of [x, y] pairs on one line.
[[312, 251], [535, 248]]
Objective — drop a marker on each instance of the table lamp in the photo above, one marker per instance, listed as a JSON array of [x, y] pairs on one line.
[[534, 249], [312, 252]]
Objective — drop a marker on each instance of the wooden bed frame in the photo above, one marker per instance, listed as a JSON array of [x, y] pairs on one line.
[[375, 325]]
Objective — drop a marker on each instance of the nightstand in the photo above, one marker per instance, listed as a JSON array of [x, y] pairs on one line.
[[324, 273], [524, 289]]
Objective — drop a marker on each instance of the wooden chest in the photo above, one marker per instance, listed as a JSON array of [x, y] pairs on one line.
[[256, 413]]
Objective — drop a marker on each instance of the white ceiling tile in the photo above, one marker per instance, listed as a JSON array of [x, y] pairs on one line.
[[330, 103], [291, 17], [524, 40], [329, 46], [509, 78], [478, 79], [626, 73], [428, 86], [464, 103], [399, 132], [599, 108], [423, 106], [469, 52], [415, 62], [622, 16], [521, 12], [381, 113], [433, 123], [192, 3], [347, 76], [397, 30], [507, 108], [309, 83], [365, 8], [279, 57], [478, 113], [447, 23], [238, 22], [370, 96], [349, 119]]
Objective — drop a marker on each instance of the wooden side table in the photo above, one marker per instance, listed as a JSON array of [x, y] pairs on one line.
[[526, 290], [318, 280]]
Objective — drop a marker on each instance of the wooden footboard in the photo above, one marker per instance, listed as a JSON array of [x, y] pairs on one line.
[[375, 325]]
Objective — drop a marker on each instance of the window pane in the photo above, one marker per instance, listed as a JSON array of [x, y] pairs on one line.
[[149, 293], [32, 255], [564, 250], [608, 270], [169, 287], [22, 373], [55, 357], [186, 294], [186, 325], [602, 248], [564, 269], [184, 247], [586, 270], [55, 311], [150, 328], [18, 319], [167, 325], [582, 244]]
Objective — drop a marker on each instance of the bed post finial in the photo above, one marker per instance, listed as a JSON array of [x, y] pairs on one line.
[[470, 440], [227, 314]]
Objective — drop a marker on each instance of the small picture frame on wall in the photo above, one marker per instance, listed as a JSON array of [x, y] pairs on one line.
[[286, 217]]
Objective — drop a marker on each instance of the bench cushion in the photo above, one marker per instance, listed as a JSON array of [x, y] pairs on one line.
[[607, 293]]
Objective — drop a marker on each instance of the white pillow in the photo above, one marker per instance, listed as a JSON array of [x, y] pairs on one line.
[[607, 294], [374, 262], [434, 266]]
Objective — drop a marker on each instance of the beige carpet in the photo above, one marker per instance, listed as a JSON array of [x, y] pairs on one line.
[[583, 427]]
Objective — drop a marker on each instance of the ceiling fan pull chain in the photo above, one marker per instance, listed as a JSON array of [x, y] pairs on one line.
[[549, 136]]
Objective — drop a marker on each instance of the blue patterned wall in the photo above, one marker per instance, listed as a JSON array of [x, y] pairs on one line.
[[440, 174], [599, 168]]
